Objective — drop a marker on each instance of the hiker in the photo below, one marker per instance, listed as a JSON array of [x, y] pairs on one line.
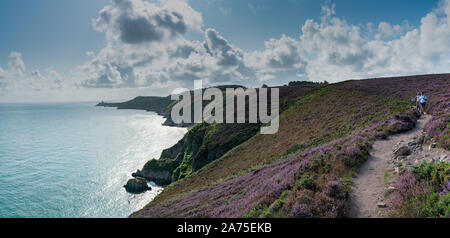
[[418, 100], [423, 102]]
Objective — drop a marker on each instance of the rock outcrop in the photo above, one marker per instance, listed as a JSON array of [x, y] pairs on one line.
[[160, 177], [402, 151], [137, 185], [415, 151]]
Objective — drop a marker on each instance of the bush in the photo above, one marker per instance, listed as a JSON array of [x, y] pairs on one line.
[[301, 211], [439, 130], [423, 191], [308, 181], [435, 174]]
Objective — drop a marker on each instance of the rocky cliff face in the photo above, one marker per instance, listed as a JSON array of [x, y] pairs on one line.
[[162, 177], [203, 144]]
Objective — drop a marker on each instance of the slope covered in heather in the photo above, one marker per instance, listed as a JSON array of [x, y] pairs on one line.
[[205, 143], [306, 169]]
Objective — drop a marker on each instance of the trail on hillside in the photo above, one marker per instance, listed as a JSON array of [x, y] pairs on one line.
[[376, 175]]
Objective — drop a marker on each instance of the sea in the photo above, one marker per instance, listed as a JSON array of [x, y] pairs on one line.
[[71, 160]]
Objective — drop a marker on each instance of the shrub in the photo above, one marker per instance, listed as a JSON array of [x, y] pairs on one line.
[[308, 181], [301, 211], [422, 191], [435, 174], [439, 130]]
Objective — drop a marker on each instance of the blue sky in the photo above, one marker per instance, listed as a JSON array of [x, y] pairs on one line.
[[49, 32], [51, 39]]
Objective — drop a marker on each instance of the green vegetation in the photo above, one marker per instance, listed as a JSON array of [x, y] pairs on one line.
[[305, 83], [161, 165], [185, 168], [387, 176], [434, 174], [423, 191]]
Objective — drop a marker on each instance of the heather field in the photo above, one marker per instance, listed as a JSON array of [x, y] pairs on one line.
[[306, 169], [436, 87]]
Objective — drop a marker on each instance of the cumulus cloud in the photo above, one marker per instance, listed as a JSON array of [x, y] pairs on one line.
[[387, 30], [137, 21], [147, 46], [2, 73], [220, 48], [16, 66], [16, 78], [214, 60], [283, 53], [332, 49], [3, 82], [281, 58], [16, 69], [51, 80]]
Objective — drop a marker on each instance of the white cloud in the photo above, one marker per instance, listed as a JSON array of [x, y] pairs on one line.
[[15, 71], [16, 66], [146, 46], [3, 82], [90, 54], [387, 30], [2, 73], [18, 80], [51, 80], [137, 21], [281, 57], [214, 60], [332, 49], [328, 9], [191, 17], [283, 53]]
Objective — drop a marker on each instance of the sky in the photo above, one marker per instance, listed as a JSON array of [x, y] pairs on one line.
[[84, 50]]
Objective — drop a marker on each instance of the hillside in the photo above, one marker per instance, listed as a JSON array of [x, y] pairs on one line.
[[205, 143], [307, 168]]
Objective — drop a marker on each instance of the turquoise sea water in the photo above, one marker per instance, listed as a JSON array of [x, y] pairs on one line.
[[72, 159]]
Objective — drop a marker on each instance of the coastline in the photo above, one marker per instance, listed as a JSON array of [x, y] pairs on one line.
[[160, 109], [158, 105], [76, 158]]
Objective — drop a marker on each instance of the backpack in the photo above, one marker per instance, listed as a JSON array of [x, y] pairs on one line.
[[423, 99]]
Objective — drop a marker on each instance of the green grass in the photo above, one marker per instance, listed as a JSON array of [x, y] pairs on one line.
[[387, 176]]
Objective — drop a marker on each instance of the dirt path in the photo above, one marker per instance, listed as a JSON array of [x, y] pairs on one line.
[[366, 198]]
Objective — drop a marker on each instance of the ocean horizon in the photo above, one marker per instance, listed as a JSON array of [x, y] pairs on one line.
[[70, 160]]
